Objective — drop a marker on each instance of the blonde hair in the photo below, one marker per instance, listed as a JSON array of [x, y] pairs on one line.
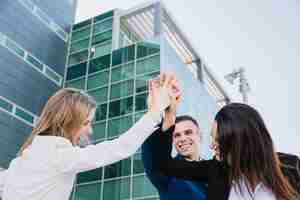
[[64, 113]]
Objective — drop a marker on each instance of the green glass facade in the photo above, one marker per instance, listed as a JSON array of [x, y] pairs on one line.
[[118, 81]]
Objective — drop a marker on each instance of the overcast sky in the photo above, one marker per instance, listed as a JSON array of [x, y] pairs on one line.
[[261, 35]]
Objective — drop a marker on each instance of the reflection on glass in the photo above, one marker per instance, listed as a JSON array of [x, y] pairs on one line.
[[116, 189], [121, 107], [142, 187]]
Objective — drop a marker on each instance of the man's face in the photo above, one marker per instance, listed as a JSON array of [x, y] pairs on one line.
[[186, 138]]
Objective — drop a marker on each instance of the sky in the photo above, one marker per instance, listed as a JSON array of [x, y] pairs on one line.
[[263, 36]]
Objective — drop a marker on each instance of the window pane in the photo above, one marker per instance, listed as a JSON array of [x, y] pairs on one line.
[[100, 95], [87, 192], [81, 33], [82, 24], [99, 64], [148, 65], [121, 107], [76, 71], [122, 72], [138, 116], [138, 166], [98, 130], [123, 55], [101, 112], [102, 49], [24, 115], [102, 37], [53, 75], [103, 16], [141, 102], [146, 49], [142, 187], [92, 175], [35, 62], [118, 126], [5, 105], [122, 89], [142, 82], [121, 168], [97, 80], [82, 44], [102, 26], [13, 46], [79, 84], [116, 189], [78, 57]]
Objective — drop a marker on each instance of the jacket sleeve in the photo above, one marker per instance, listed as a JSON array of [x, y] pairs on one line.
[[75, 159], [192, 170], [150, 149]]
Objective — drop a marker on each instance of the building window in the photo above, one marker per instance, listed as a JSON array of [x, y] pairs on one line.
[[121, 107], [122, 89], [118, 126], [88, 191], [6, 105], [101, 49], [34, 62], [83, 33], [24, 115], [102, 37], [101, 112], [138, 166], [122, 72], [141, 102], [119, 169], [76, 71], [100, 95], [103, 26], [98, 131], [14, 47], [116, 189], [80, 45], [78, 57], [123, 55], [146, 49], [103, 16], [97, 80], [142, 187], [142, 82], [148, 65], [92, 175], [99, 64], [82, 24], [78, 83]]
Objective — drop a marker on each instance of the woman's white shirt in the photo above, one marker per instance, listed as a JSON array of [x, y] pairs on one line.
[[260, 192], [48, 167]]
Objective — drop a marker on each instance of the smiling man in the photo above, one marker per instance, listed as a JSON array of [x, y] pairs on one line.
[[186, 138]]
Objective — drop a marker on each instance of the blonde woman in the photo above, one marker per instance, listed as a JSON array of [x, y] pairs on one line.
[[50, 158]]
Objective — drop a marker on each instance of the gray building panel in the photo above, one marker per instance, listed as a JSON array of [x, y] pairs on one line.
[[14, 133], [22, 84], [33, 35], [62, 12]]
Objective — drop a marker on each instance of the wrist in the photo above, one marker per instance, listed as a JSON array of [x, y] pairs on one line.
[[168, 121]]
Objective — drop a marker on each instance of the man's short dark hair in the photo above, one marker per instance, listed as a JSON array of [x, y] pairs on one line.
[[182, 118]]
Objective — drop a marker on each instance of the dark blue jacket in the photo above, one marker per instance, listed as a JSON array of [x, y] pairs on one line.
[[169, 188]]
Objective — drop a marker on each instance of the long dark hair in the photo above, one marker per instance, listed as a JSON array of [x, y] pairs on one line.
[[246, 145]]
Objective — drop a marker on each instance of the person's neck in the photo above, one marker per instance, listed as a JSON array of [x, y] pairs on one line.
[[195, 157]]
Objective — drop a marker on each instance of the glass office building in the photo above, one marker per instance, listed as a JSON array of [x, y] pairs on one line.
[[112, 56], [33, 48]]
